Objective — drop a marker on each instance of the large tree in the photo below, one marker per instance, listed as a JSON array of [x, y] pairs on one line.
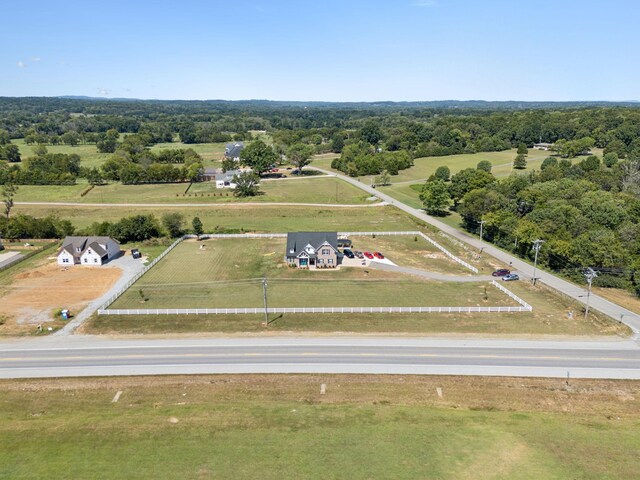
[[247, 184], [259, 156], [174, 223], [300, 154], [435, 197]]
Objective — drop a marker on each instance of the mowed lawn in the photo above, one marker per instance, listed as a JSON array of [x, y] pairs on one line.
[[280, 427], [228, 272]]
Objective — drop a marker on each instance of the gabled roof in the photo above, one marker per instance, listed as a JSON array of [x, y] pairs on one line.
[[298, 241], [232, 150], [72, 244]]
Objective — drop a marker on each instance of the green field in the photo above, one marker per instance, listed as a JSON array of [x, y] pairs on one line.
[[279, 426], [211, 153], [216, 277], [247, 217], [400, 187], [306, 190], [227, 273]]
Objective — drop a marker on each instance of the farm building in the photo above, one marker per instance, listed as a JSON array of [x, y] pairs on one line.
[[313, 249], [543, 146], [88, 250]]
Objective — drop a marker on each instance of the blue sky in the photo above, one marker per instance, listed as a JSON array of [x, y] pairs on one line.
[[332, 50]]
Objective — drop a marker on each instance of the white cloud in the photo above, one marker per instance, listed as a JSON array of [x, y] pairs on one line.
[[35, 59], [21, 64], [103, 91], [424, 3]]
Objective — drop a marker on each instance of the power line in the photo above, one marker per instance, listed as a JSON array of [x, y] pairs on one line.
[[536, 247], [590, 274]]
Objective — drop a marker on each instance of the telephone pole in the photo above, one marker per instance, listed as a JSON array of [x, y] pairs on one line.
[[481, 222], [264, 294], [590, 274], [536, 247]]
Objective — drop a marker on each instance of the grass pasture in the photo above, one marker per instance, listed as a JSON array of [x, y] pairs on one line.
[[323, 190], [227, 273], [279, 426]]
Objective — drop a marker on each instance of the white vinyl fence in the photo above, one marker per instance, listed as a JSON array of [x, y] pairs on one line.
[[104, 310]]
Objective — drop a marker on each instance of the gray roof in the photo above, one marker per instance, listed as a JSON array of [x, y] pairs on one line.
[[297, 241], [232, 150], [228, 175], [72, 244]]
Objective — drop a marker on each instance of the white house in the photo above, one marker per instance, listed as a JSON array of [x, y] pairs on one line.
[[88, 250]]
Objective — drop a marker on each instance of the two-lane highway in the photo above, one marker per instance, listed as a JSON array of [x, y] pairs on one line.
[[90, 356]]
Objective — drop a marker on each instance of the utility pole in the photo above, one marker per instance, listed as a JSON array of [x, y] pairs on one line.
[[536, 247], [590, 274], [481, 222], [264, 294]]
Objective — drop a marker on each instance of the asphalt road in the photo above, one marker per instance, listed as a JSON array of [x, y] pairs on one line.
[[91, 356], [574, 291], [203, 205]]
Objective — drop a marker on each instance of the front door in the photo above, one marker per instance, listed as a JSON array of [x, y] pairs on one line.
[[312, 262]]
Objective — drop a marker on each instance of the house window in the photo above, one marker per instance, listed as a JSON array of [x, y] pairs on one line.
[[330, 261], [325, 251], [95, 260], [320, 261], [65, 260]]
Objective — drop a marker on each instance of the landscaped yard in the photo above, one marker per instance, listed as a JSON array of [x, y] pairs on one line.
[[217, 277], [280, 426], [227, 273]]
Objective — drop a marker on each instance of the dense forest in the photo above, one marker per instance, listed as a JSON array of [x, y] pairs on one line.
[[585, 207]]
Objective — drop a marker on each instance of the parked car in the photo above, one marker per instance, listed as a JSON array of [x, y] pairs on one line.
[[511, 277], [135, 253], [369, 255], [359, 254], [274, 170], [348, 253], [501, 272], [378, 255], [295, 172]]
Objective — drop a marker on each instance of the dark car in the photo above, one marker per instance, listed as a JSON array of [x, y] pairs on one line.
[[348, 253], [501, 272], [378, 255], [511, 277], [295, 172], [369, 255], [135, 253]]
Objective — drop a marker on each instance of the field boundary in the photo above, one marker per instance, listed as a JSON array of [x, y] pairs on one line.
[[28, 255], [104, 310]]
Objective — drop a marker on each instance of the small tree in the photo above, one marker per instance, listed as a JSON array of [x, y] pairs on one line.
[[174, 223], [610, 159], [8, 192], [549, 162], [196, 223], [443, 173], [384, 178], [520, 163], [435, 197], [522, 149], [246, 184], [484, 165]]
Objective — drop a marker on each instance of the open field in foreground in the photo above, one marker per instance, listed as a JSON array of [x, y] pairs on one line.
[[227, 272], [307, 190], [279, 426]]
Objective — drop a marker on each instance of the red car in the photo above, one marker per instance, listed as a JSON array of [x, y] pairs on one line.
[[501, 272], [378, 255], [368, 255]]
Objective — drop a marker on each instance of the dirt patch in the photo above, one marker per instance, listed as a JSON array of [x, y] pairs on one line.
[[33, 296]]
